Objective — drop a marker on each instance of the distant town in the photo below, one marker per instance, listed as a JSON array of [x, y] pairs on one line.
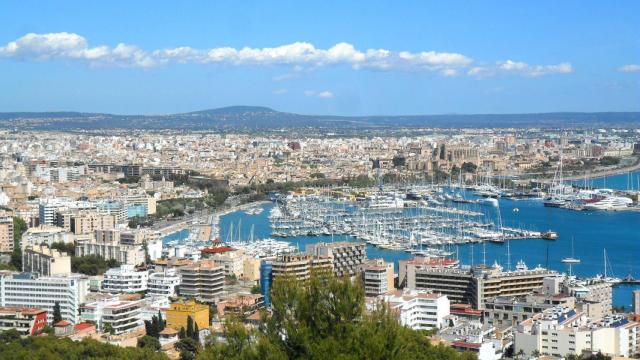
[[118, 236]]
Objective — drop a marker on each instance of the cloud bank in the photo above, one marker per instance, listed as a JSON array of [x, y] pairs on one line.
[[630, 68], [73, 47]]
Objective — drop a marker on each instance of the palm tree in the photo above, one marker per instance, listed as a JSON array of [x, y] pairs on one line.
[[520, 354]]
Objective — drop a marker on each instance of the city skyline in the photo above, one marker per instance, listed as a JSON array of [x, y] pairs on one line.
[[314, 59]]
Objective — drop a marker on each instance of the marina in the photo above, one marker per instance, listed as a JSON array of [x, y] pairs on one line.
[[592, 232]]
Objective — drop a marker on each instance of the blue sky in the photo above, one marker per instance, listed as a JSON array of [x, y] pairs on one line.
[[325, 57]]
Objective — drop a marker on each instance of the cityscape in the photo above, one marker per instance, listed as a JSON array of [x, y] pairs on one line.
[[363, 203]]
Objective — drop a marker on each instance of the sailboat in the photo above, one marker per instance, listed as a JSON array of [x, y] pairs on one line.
[[571, 260], [607, 277]]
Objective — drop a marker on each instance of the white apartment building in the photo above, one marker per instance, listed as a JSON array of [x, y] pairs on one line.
[[562, 331], [419, 310], [164, 283], [125, 279], [45, 261], [29, 290], [122, 316], [106, 244]]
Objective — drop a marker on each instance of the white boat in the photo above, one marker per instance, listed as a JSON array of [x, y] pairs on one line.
[[489, 201], [611, 203]]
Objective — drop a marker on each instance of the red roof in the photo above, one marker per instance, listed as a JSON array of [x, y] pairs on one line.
[[84, 326], [465, 344], [62, 323], [217, 250]]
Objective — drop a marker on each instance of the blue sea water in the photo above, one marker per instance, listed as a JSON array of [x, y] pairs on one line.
[[590, 232]]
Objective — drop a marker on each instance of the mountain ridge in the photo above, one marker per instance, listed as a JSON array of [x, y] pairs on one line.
[[244, 117]]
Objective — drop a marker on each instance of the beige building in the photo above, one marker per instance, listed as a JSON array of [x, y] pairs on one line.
[[299, 266], [377, 276], [475, 285], [250, 269], [203, 281], [87, 223], [6, 233], [346, 256], [45, 261], [562, 331]]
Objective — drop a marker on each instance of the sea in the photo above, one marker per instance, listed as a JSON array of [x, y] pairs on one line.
[[582, 234]]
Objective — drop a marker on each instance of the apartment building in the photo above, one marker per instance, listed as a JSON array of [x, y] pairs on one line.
[[106, 244], [46, 234], [299, 266], [45, 261], [505, 311], [203, 281], [232, 260], [346, 256], [419, 310], [164, 283], [475, 285], [562, 331], [377, 277], [87, 223], [27, 321], [125, 279], [121, 316], [33, 291], [6, 233]]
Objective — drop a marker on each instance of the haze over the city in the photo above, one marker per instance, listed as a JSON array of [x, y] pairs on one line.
[[339, 58]]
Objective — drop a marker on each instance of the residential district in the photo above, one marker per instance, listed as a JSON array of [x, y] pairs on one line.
[[88, 218]]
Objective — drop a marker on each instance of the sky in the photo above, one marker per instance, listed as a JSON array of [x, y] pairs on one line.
[[320, 57]]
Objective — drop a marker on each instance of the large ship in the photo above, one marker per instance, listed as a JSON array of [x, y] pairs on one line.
[[611, 203]]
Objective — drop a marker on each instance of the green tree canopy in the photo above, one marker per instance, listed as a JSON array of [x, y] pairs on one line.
[[325, 318]]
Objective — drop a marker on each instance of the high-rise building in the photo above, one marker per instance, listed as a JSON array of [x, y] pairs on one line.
[[164, 283], [31, 290], [203, 281], [377, 276], [346, 256], [636, 302], [6, 233], [475, 285], [299, 266]]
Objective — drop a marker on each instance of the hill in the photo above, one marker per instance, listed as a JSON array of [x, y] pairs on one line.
[[243, 118]]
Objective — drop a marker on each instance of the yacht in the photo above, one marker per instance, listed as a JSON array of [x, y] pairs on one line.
[[611, 203]]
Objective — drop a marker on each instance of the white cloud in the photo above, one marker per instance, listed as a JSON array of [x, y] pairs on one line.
[[525, 69], [298, 56], [630, 68], [280, 91], [320, 94]]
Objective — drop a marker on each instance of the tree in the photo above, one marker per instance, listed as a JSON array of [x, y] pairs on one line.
[[188, 348], [196, 333], [57, 313], [469, 167], [182, 334], [108, 329], [325, 318], [189, 327], [148, 342]]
